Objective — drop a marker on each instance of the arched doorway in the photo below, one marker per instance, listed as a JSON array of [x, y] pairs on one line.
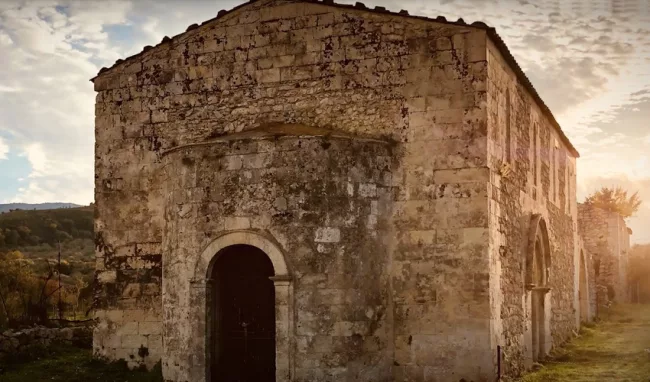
[[583, 290], [203, 300], [538, 308], [242, 313], [538, 262]]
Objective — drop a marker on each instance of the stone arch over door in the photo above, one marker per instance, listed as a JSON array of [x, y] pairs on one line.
[[537, 277], [201, 300]]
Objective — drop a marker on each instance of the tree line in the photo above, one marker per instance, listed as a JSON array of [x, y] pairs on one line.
[[46, 265], [21, 228], [37, 285]]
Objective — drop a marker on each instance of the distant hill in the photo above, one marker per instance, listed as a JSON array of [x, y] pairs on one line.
[[40, 206], [21, 228]]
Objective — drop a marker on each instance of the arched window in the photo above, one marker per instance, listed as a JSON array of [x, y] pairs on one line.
[[538, 257], [538, 267]]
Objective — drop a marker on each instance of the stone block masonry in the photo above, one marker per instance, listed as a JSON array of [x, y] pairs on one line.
[[607, 238], [532, 172], [36, 341], [363, 153], [338, 261]]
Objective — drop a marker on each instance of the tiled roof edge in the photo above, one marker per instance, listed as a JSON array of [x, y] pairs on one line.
[[491, 32], [167, 39], [521, 76]]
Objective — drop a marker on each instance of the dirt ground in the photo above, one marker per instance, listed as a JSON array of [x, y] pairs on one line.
[[615, 349]]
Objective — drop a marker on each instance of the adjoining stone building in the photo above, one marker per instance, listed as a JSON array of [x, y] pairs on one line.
[[585, 286], [607, 239], [323, 192]]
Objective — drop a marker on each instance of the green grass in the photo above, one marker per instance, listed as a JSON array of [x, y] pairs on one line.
[[612, 350], [75, 365]]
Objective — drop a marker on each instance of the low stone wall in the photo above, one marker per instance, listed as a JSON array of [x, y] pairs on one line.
[[26, 343]]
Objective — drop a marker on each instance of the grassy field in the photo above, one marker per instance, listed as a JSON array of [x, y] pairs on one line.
[[612, 350], [74, 365]]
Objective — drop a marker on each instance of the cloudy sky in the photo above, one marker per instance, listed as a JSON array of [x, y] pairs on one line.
[[588, 59]]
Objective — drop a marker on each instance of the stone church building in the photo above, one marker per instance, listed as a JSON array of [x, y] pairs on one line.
[[301, 190]]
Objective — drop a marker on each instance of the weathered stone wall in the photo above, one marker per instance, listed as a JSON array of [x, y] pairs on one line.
[[327, 203], [584, 268], [593, 286], [619, 239], [607, 237], [128, 230], [593, 228], [531, 172], [25, 343], [415, 82]]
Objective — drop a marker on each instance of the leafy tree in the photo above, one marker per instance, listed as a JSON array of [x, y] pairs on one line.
[[23, 231], [615, 200], [12, 237], [63, 236], [45, 226], [33, 240], [14, 255], [65, 268], [29, 242], [67, 224], [17, 283]]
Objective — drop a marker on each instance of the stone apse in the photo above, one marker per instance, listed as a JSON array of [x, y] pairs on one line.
[[307, 191]]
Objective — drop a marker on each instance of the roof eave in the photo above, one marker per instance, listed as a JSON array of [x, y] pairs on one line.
[[491, 32], [521, 76]]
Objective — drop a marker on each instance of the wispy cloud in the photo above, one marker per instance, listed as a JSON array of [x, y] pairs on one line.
[[4, 149], [588, 60], [49, 51]]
